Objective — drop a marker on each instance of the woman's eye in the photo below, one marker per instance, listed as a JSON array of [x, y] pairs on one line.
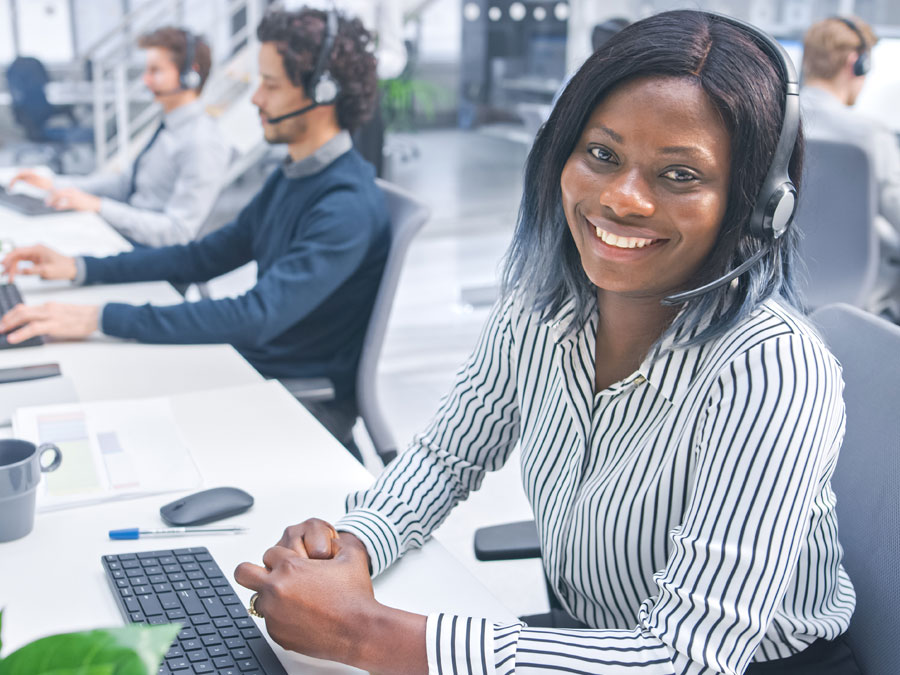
[[680, 175], [600, 153]]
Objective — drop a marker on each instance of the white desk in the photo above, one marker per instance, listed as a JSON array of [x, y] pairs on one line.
[[255, 437]]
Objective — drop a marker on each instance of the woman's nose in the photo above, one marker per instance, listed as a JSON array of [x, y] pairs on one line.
[[628, 194]]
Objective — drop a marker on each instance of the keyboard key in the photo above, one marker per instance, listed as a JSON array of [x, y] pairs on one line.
[[175, 614], [177, 577], [125, 592], [132, 605], [118, 574], [157, 620], [150, 555], [149, 562], [241, 653], [205, 629], [191, 602], [162, 588], [184, 559], [205, 667], [130, 564], [152, 569], [150, 605], [219, 582], [231, 600], [187, 634], [142, 590], [169, 601], [178, 664], [211, 639], [217, 650], [244, 623], [211, 569], [236, 643], [223, 622], [200, 583], [167, 560], [133, 572], [174, 652], [127, 556], [223, 662], [197, 655], [158, 578], [205, 593], [203, 556], [122, 583], [228, 632], [191, 567], [247, 664], [191, 645], [214, 607], [135, 617], [171, 569], [199, 619], [223, 590], [237, 611], [250, 632], [196, 574]]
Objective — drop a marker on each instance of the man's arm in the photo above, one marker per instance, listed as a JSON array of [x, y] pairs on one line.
[[336, 236], [106, 184], [201, 169]]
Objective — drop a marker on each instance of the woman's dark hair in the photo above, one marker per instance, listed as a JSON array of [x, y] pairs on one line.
[[298, 36], [746, 87]]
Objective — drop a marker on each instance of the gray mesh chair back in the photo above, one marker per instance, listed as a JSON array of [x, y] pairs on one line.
[[867, 477], [836, 217], [408, 216]]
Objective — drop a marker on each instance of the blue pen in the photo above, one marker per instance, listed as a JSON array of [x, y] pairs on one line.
[[136, 533]]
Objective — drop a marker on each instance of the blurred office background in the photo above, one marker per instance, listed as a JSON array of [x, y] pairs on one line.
[[480, 78]]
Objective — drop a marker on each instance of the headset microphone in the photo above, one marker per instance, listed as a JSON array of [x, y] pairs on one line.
[[295, 113], [777, 199]]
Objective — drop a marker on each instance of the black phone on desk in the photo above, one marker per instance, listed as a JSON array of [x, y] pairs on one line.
[[26, 373]]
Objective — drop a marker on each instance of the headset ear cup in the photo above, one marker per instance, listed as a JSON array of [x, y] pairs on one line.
[[190, 80], [862, 65], [326, 90]]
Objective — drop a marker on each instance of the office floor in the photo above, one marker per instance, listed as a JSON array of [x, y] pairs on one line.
[[472, 183]]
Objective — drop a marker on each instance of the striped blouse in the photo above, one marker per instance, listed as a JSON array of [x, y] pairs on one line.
[[685, 513]]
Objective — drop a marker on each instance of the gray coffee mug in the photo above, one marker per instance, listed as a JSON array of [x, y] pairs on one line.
[[21, 465]]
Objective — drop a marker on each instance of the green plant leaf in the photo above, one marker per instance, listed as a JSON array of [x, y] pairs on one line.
[[1, 634], [130, 650]]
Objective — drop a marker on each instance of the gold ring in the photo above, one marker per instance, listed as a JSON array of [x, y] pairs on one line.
[[252, 608]]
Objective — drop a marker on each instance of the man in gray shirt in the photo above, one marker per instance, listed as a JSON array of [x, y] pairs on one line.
[[835, 54], [166, 194]]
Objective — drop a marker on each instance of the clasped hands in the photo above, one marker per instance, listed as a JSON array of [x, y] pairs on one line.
[[315, 594]]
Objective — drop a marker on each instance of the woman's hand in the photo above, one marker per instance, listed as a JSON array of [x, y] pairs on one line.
[[316, 606], [74, 199], [316, 597]]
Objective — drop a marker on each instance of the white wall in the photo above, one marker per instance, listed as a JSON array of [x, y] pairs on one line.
[[45, 30]]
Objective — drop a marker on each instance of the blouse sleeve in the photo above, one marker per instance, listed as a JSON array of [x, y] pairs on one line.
[[475, 429], [770, 430]]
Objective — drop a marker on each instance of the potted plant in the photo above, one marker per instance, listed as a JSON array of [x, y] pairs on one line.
[[135, 649]]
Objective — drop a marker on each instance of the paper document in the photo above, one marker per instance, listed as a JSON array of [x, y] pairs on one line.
[[111, 450]]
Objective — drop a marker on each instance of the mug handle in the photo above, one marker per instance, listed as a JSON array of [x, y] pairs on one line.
[[57, 457]]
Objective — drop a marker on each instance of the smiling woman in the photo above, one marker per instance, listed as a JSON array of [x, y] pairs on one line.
[[677, 455]]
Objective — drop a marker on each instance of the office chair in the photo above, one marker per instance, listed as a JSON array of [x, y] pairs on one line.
[[865, 480], [27, 79], [407, 216], [836, 217]]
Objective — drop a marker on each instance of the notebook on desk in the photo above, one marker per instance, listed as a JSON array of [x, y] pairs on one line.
[[111, 450]]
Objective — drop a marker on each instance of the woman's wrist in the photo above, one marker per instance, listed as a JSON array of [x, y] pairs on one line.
[[389, 641]]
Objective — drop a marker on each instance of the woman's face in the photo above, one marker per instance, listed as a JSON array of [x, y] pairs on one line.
[[645, 189]]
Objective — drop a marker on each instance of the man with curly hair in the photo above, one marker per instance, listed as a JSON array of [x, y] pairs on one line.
[[318, 231]]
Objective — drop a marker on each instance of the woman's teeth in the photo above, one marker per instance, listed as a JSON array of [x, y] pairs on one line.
[[622, 242]]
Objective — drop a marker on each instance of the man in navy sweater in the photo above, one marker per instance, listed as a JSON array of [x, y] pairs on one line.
[[318, 231]]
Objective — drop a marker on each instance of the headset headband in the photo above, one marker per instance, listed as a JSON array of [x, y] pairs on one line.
[[188, 76], [322, 88], [776, 201], [863, 62]]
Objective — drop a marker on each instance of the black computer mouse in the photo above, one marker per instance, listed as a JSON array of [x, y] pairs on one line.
[[205, 507]]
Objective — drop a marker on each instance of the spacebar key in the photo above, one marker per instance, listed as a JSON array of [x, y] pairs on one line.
[[191, 602]]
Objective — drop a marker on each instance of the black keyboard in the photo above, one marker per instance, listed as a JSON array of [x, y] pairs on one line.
[[30, 206], [9, 298], [186, 586]]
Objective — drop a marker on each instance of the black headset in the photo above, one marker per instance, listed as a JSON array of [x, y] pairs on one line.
[[777, 199], [863, 62], [188, 77], [321, 87]]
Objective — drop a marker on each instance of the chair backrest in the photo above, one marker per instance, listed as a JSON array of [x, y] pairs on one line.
[[836, 216], [867, 478], [26, 78], [408, 216]]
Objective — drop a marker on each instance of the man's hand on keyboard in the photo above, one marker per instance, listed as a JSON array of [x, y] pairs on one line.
[[44, 262], [32, 178], [68, 322], [74, 199]]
